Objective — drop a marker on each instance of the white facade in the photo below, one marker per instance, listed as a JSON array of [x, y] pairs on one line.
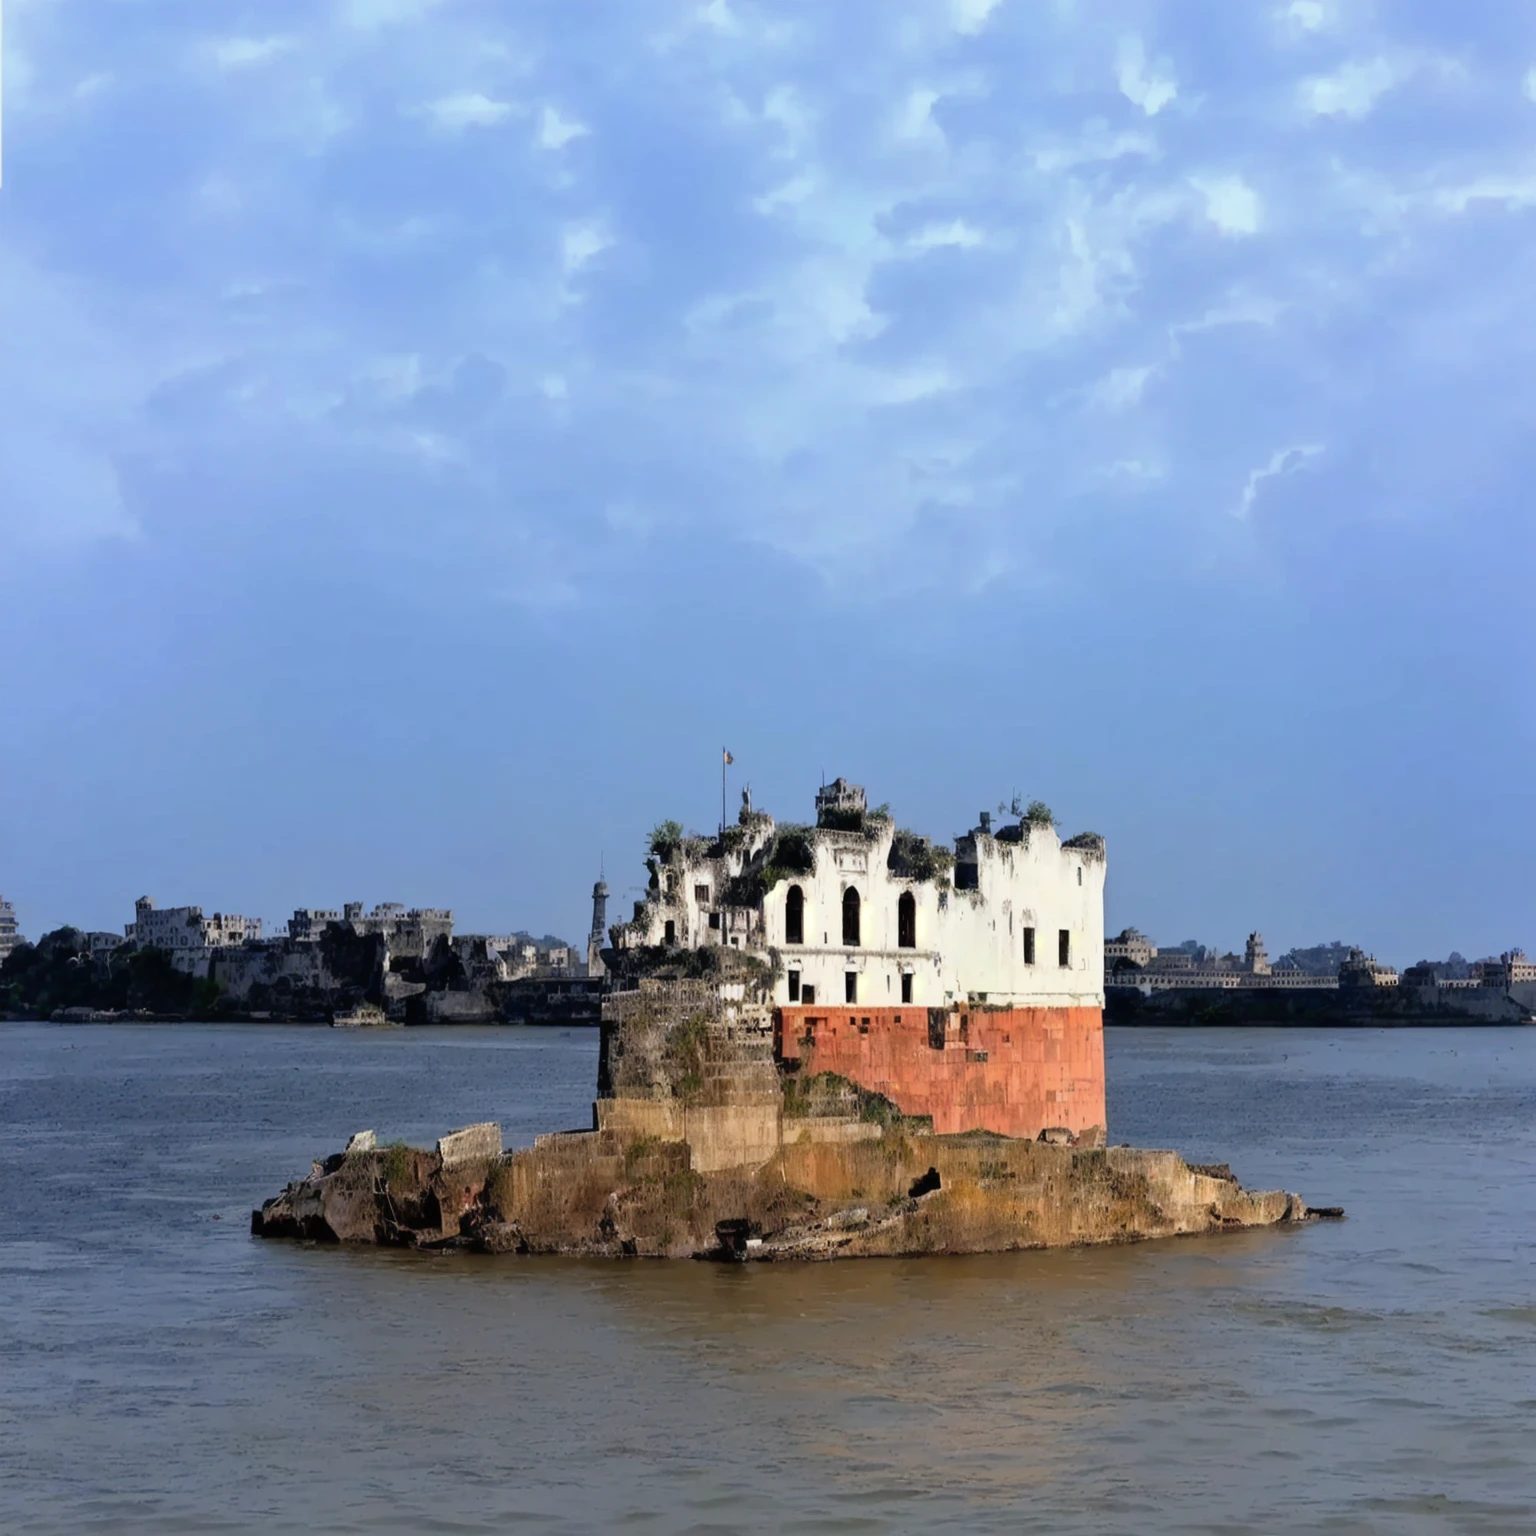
[[182, 928], [1020, 924], [9, 936]]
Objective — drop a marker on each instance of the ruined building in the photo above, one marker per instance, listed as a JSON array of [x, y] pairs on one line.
[[185, 928], [9, 937], [964, 987]]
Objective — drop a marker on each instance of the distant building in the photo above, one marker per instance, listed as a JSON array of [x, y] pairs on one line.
[[1143, 965], [1363, 970], [183, 928], [1511, 967], [1131, 947], [410, 931], [101, 943], [1255, 957], [9, 936], [308, 923]]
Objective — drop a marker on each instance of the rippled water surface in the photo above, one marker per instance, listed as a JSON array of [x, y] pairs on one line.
[[162, 1371]]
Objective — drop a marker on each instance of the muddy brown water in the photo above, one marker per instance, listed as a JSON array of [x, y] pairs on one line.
[[160, 1370]]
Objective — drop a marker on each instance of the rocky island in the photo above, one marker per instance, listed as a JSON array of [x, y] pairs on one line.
[[952, 1102]]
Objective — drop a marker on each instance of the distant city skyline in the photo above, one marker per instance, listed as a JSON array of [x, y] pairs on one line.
[[429, 430]]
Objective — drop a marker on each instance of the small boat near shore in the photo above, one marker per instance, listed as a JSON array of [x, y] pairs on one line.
[[365, 1016]]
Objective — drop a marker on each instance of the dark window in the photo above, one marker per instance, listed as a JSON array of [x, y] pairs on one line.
[[850, 916], [1064, 947], [701, 895], [851, 986], [906, 921], [808, 996], [714, 919], [794, 986], [906, 988], [670, 934], [794, 916], [1029, 946]]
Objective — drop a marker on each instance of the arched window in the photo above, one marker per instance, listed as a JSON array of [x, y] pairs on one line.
[[906, 921], [670, 936], [794, 916], [850, 916]]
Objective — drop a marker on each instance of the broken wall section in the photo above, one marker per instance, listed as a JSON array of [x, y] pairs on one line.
[[691, 1058]]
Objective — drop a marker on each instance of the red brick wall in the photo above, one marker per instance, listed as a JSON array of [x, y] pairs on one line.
[[1016, 1071]]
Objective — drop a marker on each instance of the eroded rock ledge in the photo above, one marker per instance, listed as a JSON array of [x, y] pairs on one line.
[[602, 1194]]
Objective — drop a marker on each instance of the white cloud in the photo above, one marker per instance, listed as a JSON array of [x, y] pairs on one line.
[[1511, 191], [555, 131], [1120, 389], [1095, 146], [370, 15], [719, 15], [914, 118], [786, 110], [244, 52], [910, 384], [1282, 462], [468, 109], [971, 16], [1230, 203], [1152, 88], [582, 243], [1306, 15], [788, 194], [957, 234], [1351, 91]]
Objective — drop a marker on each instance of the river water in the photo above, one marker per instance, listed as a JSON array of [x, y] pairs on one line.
[[160, 1370]]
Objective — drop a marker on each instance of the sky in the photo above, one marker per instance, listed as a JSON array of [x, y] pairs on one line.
[[432, 430]]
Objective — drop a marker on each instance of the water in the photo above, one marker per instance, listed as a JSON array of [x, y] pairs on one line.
[[162, 1371]]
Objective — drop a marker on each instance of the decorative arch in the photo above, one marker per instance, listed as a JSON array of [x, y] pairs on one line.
[[851, 917], [794, 916], [906, 921]]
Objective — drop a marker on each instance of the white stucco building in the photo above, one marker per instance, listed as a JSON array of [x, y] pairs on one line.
[[9, 936], [860, 913], [183, 928]]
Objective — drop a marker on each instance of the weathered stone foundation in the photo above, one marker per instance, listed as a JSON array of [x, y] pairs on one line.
[[600, 1194]]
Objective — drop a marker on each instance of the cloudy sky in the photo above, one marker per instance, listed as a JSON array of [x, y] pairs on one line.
[[431, 429]]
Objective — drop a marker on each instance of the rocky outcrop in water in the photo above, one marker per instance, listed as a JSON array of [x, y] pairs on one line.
[[601, 1194]]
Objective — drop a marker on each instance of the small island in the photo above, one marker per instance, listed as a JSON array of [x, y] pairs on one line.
[[951, 1102]]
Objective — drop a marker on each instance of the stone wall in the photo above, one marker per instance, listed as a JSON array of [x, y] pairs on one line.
[[691, 1059]]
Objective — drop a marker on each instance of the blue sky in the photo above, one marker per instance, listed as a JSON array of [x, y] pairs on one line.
[[432, 428]]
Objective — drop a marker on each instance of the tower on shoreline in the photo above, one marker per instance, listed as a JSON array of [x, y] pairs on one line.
[[599, 934]]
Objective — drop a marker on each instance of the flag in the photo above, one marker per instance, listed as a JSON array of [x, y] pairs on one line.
[[728, 758]]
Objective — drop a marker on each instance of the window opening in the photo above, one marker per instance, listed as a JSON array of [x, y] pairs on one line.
[[794, 916], [794, 986], [1029, 946], [808, 997], [851, 917], [670, 932], [1064, 948], [906, 921], [851, 987], [906, 988]]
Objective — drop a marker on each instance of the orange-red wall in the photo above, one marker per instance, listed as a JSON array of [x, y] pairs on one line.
[[1017, 1071]]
